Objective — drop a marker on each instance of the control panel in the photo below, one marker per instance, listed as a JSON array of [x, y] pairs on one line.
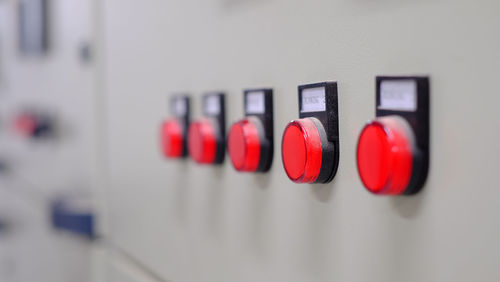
[[366, 149]]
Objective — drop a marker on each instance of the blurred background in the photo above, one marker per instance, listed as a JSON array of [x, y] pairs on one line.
[[86, 195], [48, 140]]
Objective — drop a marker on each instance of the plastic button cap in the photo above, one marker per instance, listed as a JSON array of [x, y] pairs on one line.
[[244, 145], [385, 155], [172, 138], [301, 151], [202, 141]]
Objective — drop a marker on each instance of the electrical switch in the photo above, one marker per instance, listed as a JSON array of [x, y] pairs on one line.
[[174, 130], [393, 149], [250, 140], [310, 145], [34, 124], [206, 136]]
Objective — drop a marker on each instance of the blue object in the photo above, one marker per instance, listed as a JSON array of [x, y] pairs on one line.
[[80, 222]]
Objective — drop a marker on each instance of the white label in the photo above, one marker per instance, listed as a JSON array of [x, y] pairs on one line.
[[212, 105], [179, 106], [255, 102], [313, 100], [398, 95]]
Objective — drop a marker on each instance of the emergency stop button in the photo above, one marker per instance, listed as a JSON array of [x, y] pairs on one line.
[[310, 145], [393, 149], [173, 131], [206, 136], [250, 140]]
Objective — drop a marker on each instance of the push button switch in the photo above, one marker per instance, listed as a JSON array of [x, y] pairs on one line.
[[173, 130], [206, 136], [391, 158], [385, 155], [310, 145], [202, 141], [25, 124], [244, 145], [34, 124], [172, 137], [302, 150], [250, 140]]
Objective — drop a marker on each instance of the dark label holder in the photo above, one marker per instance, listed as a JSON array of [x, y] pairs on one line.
[[419, 121], [330, 121], [183, 116], [266, 118], [218, 100]]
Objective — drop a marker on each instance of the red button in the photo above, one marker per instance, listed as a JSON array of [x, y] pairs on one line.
[[172, 138], [301, 151], [244, 145], [384, 155], [202, 142], [25, 124]]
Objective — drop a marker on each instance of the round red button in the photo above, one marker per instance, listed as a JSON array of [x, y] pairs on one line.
[[202, 142], [384, 155], [171, 138], [25, 125], [301, 151], [244, 145]]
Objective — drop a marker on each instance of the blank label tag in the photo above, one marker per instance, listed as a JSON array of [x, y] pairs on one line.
[[398, 95], [255, 103], [313, 100], [179, 107], [212, 105]]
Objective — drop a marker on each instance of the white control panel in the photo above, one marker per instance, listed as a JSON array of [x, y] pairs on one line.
[[174, 220], [192, 223]]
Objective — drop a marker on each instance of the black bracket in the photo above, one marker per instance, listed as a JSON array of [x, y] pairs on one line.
[[180, 108], [214, 108], [320, 101], [414, 90]]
